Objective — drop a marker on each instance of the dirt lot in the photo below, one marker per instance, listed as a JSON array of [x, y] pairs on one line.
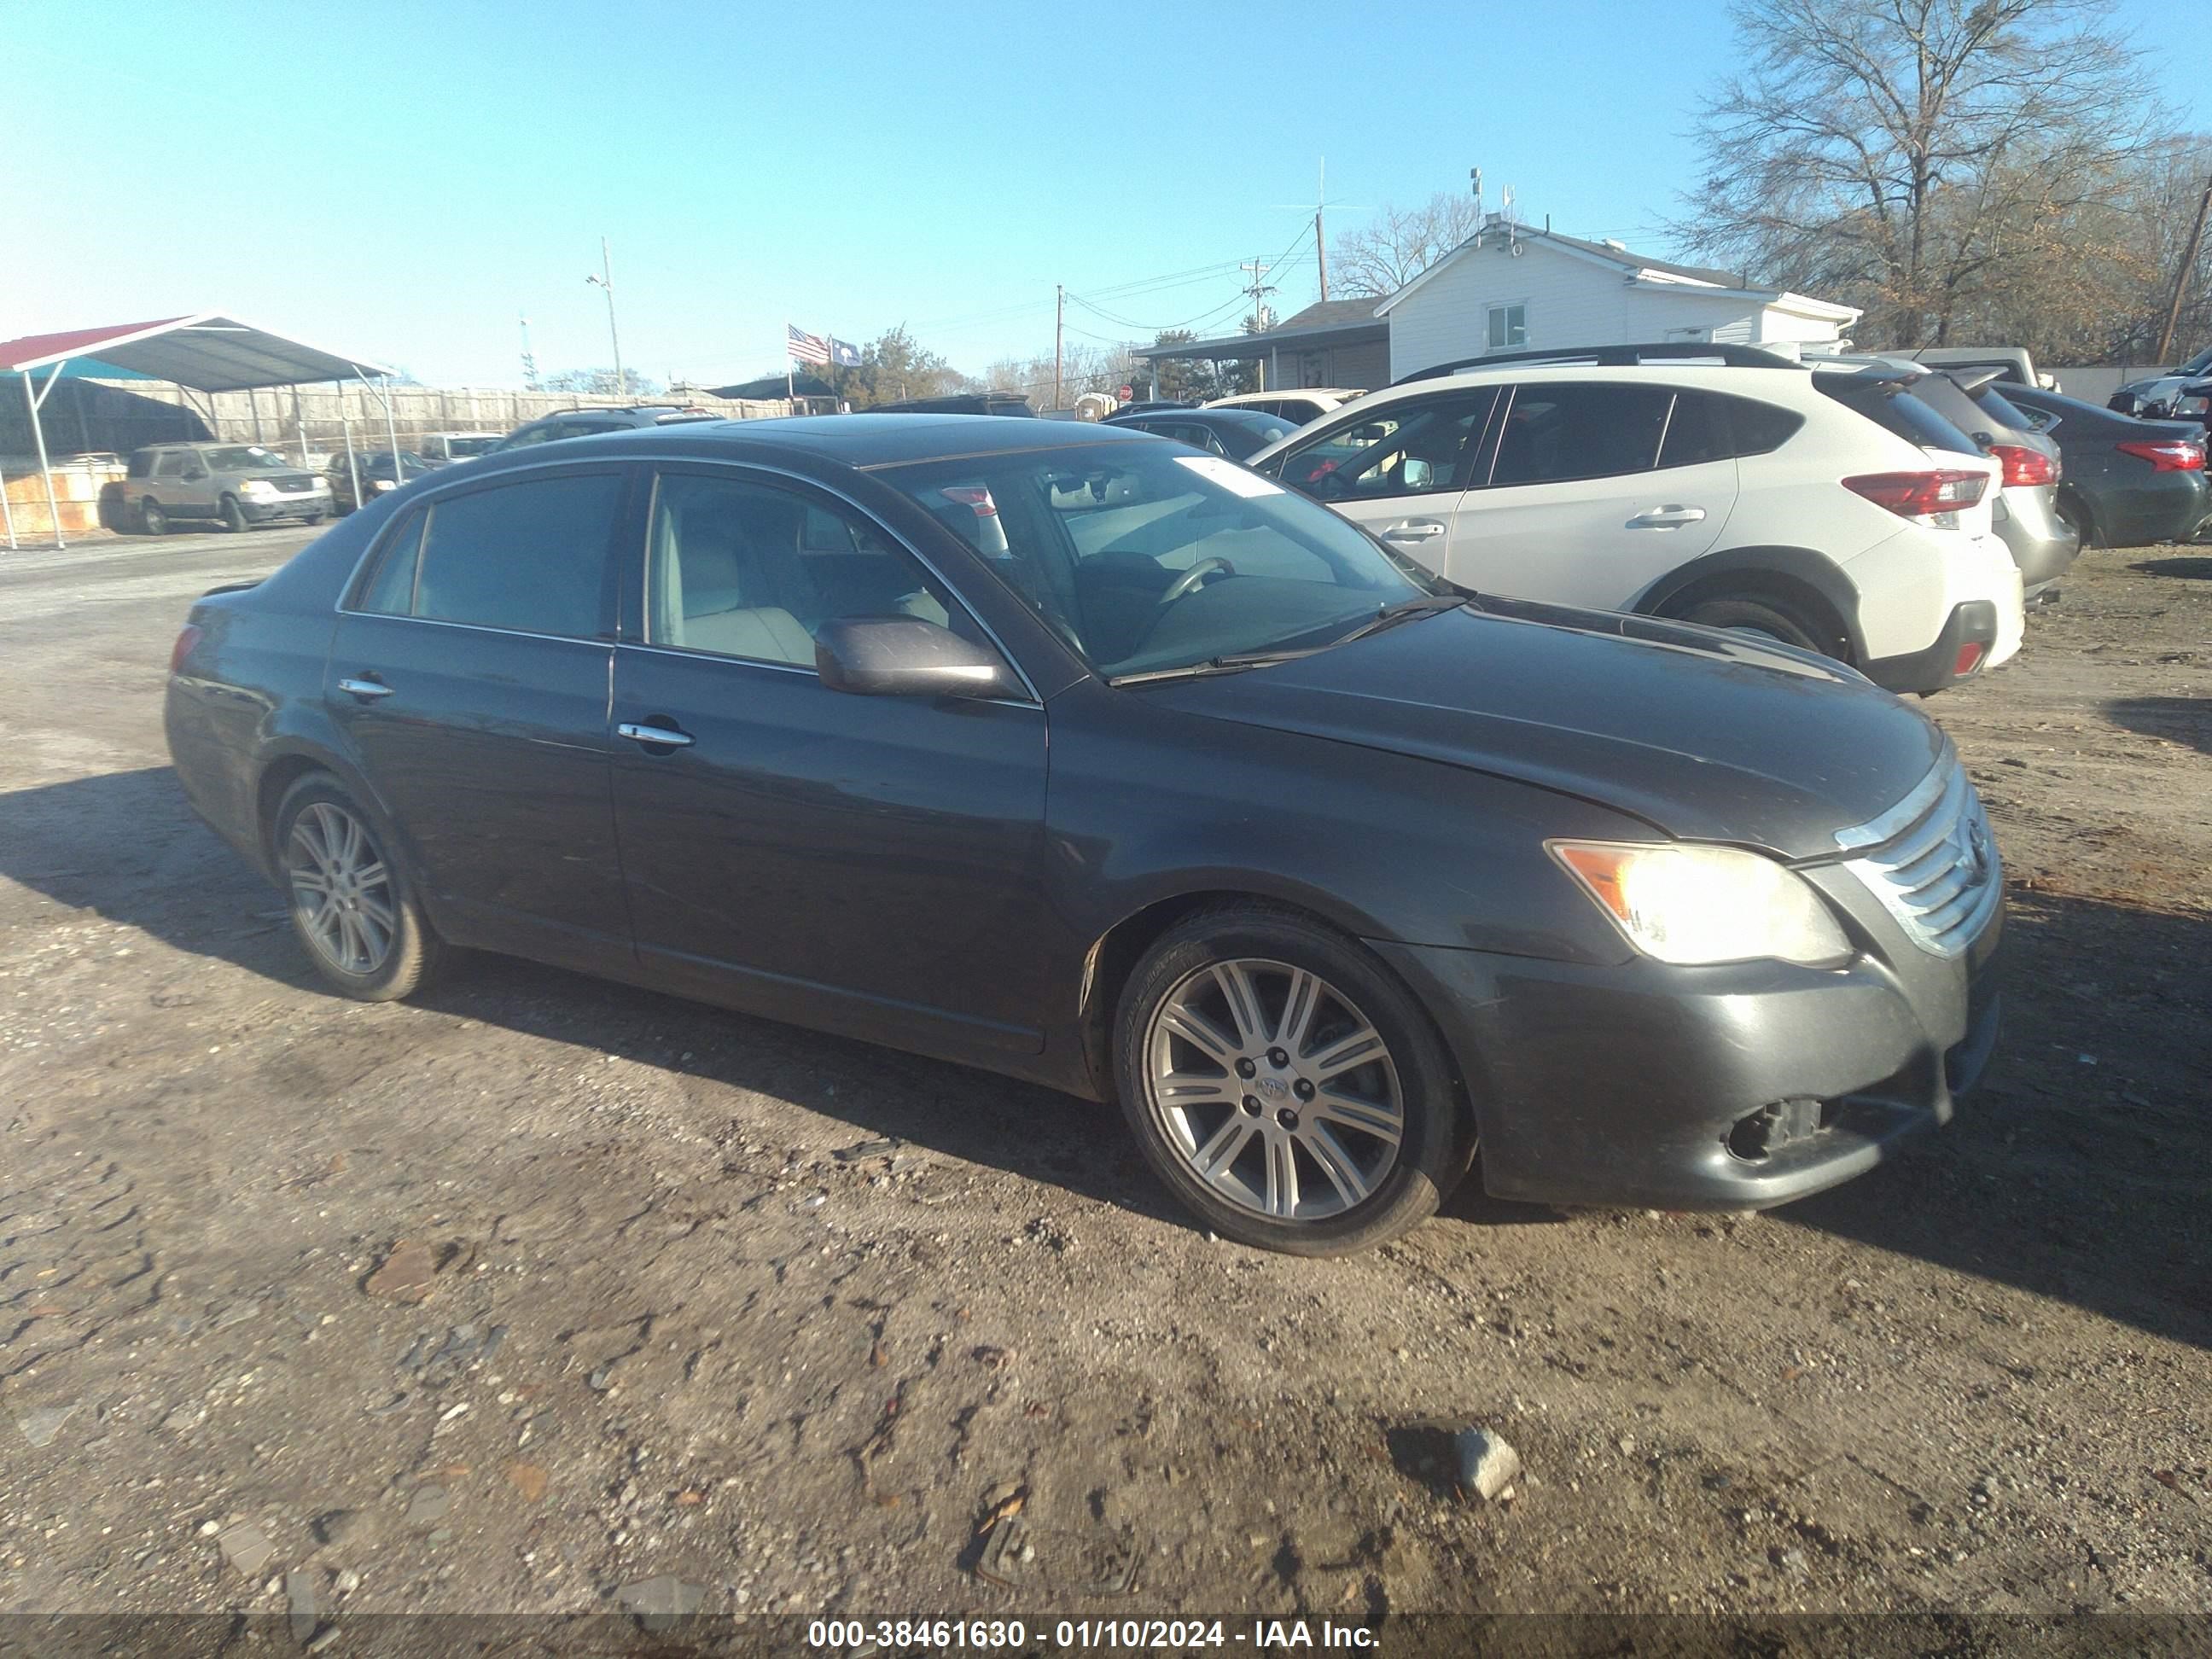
[[783, 1317]]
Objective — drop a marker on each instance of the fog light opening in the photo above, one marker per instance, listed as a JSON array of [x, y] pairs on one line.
[[1755, 1138]]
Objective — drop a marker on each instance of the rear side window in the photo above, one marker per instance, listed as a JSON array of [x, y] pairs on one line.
[[531, 557], [142, 463], [1712, 426], [1556, 433]]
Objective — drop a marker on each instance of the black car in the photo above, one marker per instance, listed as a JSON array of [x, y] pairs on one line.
[[1238, 434], [592, 422], [958, 403], [1062, 750], [2126, 482], [378, 471]]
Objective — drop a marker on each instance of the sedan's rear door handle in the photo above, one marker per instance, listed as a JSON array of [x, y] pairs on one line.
[[367, 691], [656, 736], [1413, 530], [1667, 517]]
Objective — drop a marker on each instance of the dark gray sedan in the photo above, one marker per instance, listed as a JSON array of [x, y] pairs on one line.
[[1069, 752]]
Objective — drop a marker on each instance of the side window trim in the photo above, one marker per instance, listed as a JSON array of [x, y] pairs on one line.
[[613, 593], [637, 581]]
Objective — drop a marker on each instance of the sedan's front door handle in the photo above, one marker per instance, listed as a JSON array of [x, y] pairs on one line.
[[658, 736], [367, 691], [1667, 517], [1413, 530]]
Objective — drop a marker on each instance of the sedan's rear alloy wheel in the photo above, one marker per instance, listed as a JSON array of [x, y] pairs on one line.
[[351, 903], [1286, 1085]]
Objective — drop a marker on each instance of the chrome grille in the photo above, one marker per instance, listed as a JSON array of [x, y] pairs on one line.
[[1931, 862], [295, 486]]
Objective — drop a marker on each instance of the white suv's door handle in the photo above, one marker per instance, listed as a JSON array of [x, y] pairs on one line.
[[1414, 530], [1665, 518]]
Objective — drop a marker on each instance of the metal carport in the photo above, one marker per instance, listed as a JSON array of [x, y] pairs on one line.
[[206, 353]]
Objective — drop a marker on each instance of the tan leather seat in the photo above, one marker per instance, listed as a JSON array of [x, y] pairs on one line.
[[716, 617]]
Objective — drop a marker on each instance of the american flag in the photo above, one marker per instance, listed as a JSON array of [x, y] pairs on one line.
[[804, 348]]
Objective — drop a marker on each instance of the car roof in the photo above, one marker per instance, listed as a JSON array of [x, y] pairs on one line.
[[879, 441]]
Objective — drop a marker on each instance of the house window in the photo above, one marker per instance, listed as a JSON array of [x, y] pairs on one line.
[[1509, 326]]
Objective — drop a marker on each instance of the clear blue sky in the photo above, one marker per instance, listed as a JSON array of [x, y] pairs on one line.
[[402, 180]]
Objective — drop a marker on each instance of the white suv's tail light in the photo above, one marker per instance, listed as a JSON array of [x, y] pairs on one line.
[[1934, 494]]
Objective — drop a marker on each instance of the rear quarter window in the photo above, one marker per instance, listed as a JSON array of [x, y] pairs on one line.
[[1713, 426]]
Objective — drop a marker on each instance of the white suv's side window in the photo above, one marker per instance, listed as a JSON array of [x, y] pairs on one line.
[[1417, 448], [171, 465], [1555, 434]]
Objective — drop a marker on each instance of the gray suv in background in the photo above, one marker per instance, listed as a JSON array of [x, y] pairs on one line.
[[235, 484]]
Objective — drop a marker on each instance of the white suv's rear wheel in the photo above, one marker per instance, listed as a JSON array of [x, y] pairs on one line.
[[1768, 618]]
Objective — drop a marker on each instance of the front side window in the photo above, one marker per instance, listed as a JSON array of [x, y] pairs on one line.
[[1144, 558], [1509, 326], [743, 568], [1553, 434], [1410, 448], [244, 457], [529, 558]]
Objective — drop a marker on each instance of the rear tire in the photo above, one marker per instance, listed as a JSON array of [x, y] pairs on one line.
[[1328, 1152], [234, 515], [151, 519], [1772, 618], [352, 904]]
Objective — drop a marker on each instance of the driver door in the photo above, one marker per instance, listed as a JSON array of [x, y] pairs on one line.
[[1400, 471]]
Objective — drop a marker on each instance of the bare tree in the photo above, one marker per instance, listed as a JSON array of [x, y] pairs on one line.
[[1398, 243], [1912, 156]]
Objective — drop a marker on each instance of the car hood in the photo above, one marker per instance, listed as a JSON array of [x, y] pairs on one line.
[[1704, 735]]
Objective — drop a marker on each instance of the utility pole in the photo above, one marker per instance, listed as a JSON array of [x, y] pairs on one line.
[[1059, 318], [1259, 289], [1321, 239], [2181, 277], [606, 280]]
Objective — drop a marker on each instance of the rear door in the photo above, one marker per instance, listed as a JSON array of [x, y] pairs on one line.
[[1592, 491], [469, 671], [1400, 470], [871, 863]]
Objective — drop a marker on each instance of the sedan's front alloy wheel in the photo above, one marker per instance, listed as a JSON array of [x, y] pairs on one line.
[[1285, 1084], [350, 902]]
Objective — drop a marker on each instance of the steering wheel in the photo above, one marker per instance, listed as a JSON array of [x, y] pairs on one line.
[[1194, 578]]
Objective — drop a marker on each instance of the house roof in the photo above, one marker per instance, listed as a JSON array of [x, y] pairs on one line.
[[206, 351], [1635, 267], [1342, 321]]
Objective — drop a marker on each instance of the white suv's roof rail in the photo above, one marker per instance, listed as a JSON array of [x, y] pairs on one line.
[[1617, 356]]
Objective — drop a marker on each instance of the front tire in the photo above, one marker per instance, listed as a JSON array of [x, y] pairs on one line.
[[351, 902], [1285, 1084], [234, 515]]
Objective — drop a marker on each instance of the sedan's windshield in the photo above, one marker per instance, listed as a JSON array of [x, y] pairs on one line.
[[1146, 557], [247, 457]]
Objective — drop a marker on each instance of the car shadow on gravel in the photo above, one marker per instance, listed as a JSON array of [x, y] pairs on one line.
[[2181, 565], [2077, 1170], [2177, 719]]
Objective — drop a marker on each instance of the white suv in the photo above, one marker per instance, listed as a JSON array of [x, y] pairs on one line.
[[1715, 484]]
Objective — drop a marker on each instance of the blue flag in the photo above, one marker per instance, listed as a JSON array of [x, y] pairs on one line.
[[844, 352]]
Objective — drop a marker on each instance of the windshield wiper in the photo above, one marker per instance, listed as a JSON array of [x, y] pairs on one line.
[[1428, 604], [1232, 663]]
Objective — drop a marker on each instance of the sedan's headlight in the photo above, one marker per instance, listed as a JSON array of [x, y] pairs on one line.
[[1693, 905], [383, 483]]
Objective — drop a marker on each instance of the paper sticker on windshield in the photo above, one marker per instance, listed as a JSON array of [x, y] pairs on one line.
[[1229, 475]]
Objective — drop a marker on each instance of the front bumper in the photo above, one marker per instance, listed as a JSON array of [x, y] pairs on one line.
[[286, 506], [1643, 1084]]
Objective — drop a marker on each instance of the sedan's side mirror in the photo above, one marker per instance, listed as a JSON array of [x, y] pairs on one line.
[[906, 657]]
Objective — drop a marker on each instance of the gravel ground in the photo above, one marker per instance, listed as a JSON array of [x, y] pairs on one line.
[[542, 1288]]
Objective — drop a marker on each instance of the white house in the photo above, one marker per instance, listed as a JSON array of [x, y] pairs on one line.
[[1510, 287]]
